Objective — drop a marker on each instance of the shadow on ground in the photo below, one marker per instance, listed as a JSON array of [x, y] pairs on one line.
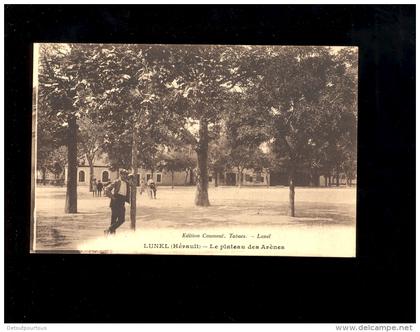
[[246, 213], [56, 230]]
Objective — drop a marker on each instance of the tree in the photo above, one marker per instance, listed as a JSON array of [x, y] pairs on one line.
[[290, 90], [64, 92], [131, 95], [91, 141], [218, 157], [245, 132], [335, 142], [173, 161], [58, 161], [46, 145], [190, 160], [49, 138], [205, 74], [52, 160]]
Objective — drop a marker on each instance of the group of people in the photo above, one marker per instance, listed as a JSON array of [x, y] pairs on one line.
[[97, 188], [149, 187], [119, 193]]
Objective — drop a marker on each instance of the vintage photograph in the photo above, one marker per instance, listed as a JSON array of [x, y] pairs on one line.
[[194, 149]]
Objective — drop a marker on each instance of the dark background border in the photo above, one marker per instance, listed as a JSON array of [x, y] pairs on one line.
[[378, 286]]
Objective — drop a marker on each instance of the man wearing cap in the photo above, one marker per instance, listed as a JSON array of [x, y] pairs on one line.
[[119, 192]]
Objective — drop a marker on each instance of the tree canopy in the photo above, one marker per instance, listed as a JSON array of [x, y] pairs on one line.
[[145, 104]]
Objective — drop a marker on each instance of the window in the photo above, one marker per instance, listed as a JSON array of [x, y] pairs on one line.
[[148, 176], [259, 179], [105, 176], [82, 176], [158, 178], [210, 178], [248, 178]]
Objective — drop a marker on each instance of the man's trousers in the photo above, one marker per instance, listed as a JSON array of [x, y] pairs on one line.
[[117, 213]]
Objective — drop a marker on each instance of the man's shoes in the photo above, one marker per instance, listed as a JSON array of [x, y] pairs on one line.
[[106, 232]]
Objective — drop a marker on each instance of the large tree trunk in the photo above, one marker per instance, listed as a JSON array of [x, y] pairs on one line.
[[191, 177], [292, 194], [202, 196], [172, 179], [90, 162], [71, 194], [133, 182]]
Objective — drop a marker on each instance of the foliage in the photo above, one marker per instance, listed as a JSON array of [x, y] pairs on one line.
[[147, 104], [307, 101]]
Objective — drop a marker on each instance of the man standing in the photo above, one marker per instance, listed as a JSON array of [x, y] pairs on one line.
[[94, 187], [119, 192], [100, 186]]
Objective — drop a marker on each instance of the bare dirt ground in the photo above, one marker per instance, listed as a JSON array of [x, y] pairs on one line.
[[324, 223]]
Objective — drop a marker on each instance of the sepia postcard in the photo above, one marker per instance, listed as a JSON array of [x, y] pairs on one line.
[[194, 149]]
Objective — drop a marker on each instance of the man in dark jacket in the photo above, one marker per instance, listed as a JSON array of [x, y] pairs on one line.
[[119, 192], [100, 186]]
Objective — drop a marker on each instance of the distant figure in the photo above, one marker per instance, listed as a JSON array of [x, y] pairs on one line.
[[94, 187], [100, 186], [142, 186], [119, 192], [148, 190], [152, 188]]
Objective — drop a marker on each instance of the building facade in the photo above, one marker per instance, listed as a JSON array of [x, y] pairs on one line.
[[163, 178], [185, 178]]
